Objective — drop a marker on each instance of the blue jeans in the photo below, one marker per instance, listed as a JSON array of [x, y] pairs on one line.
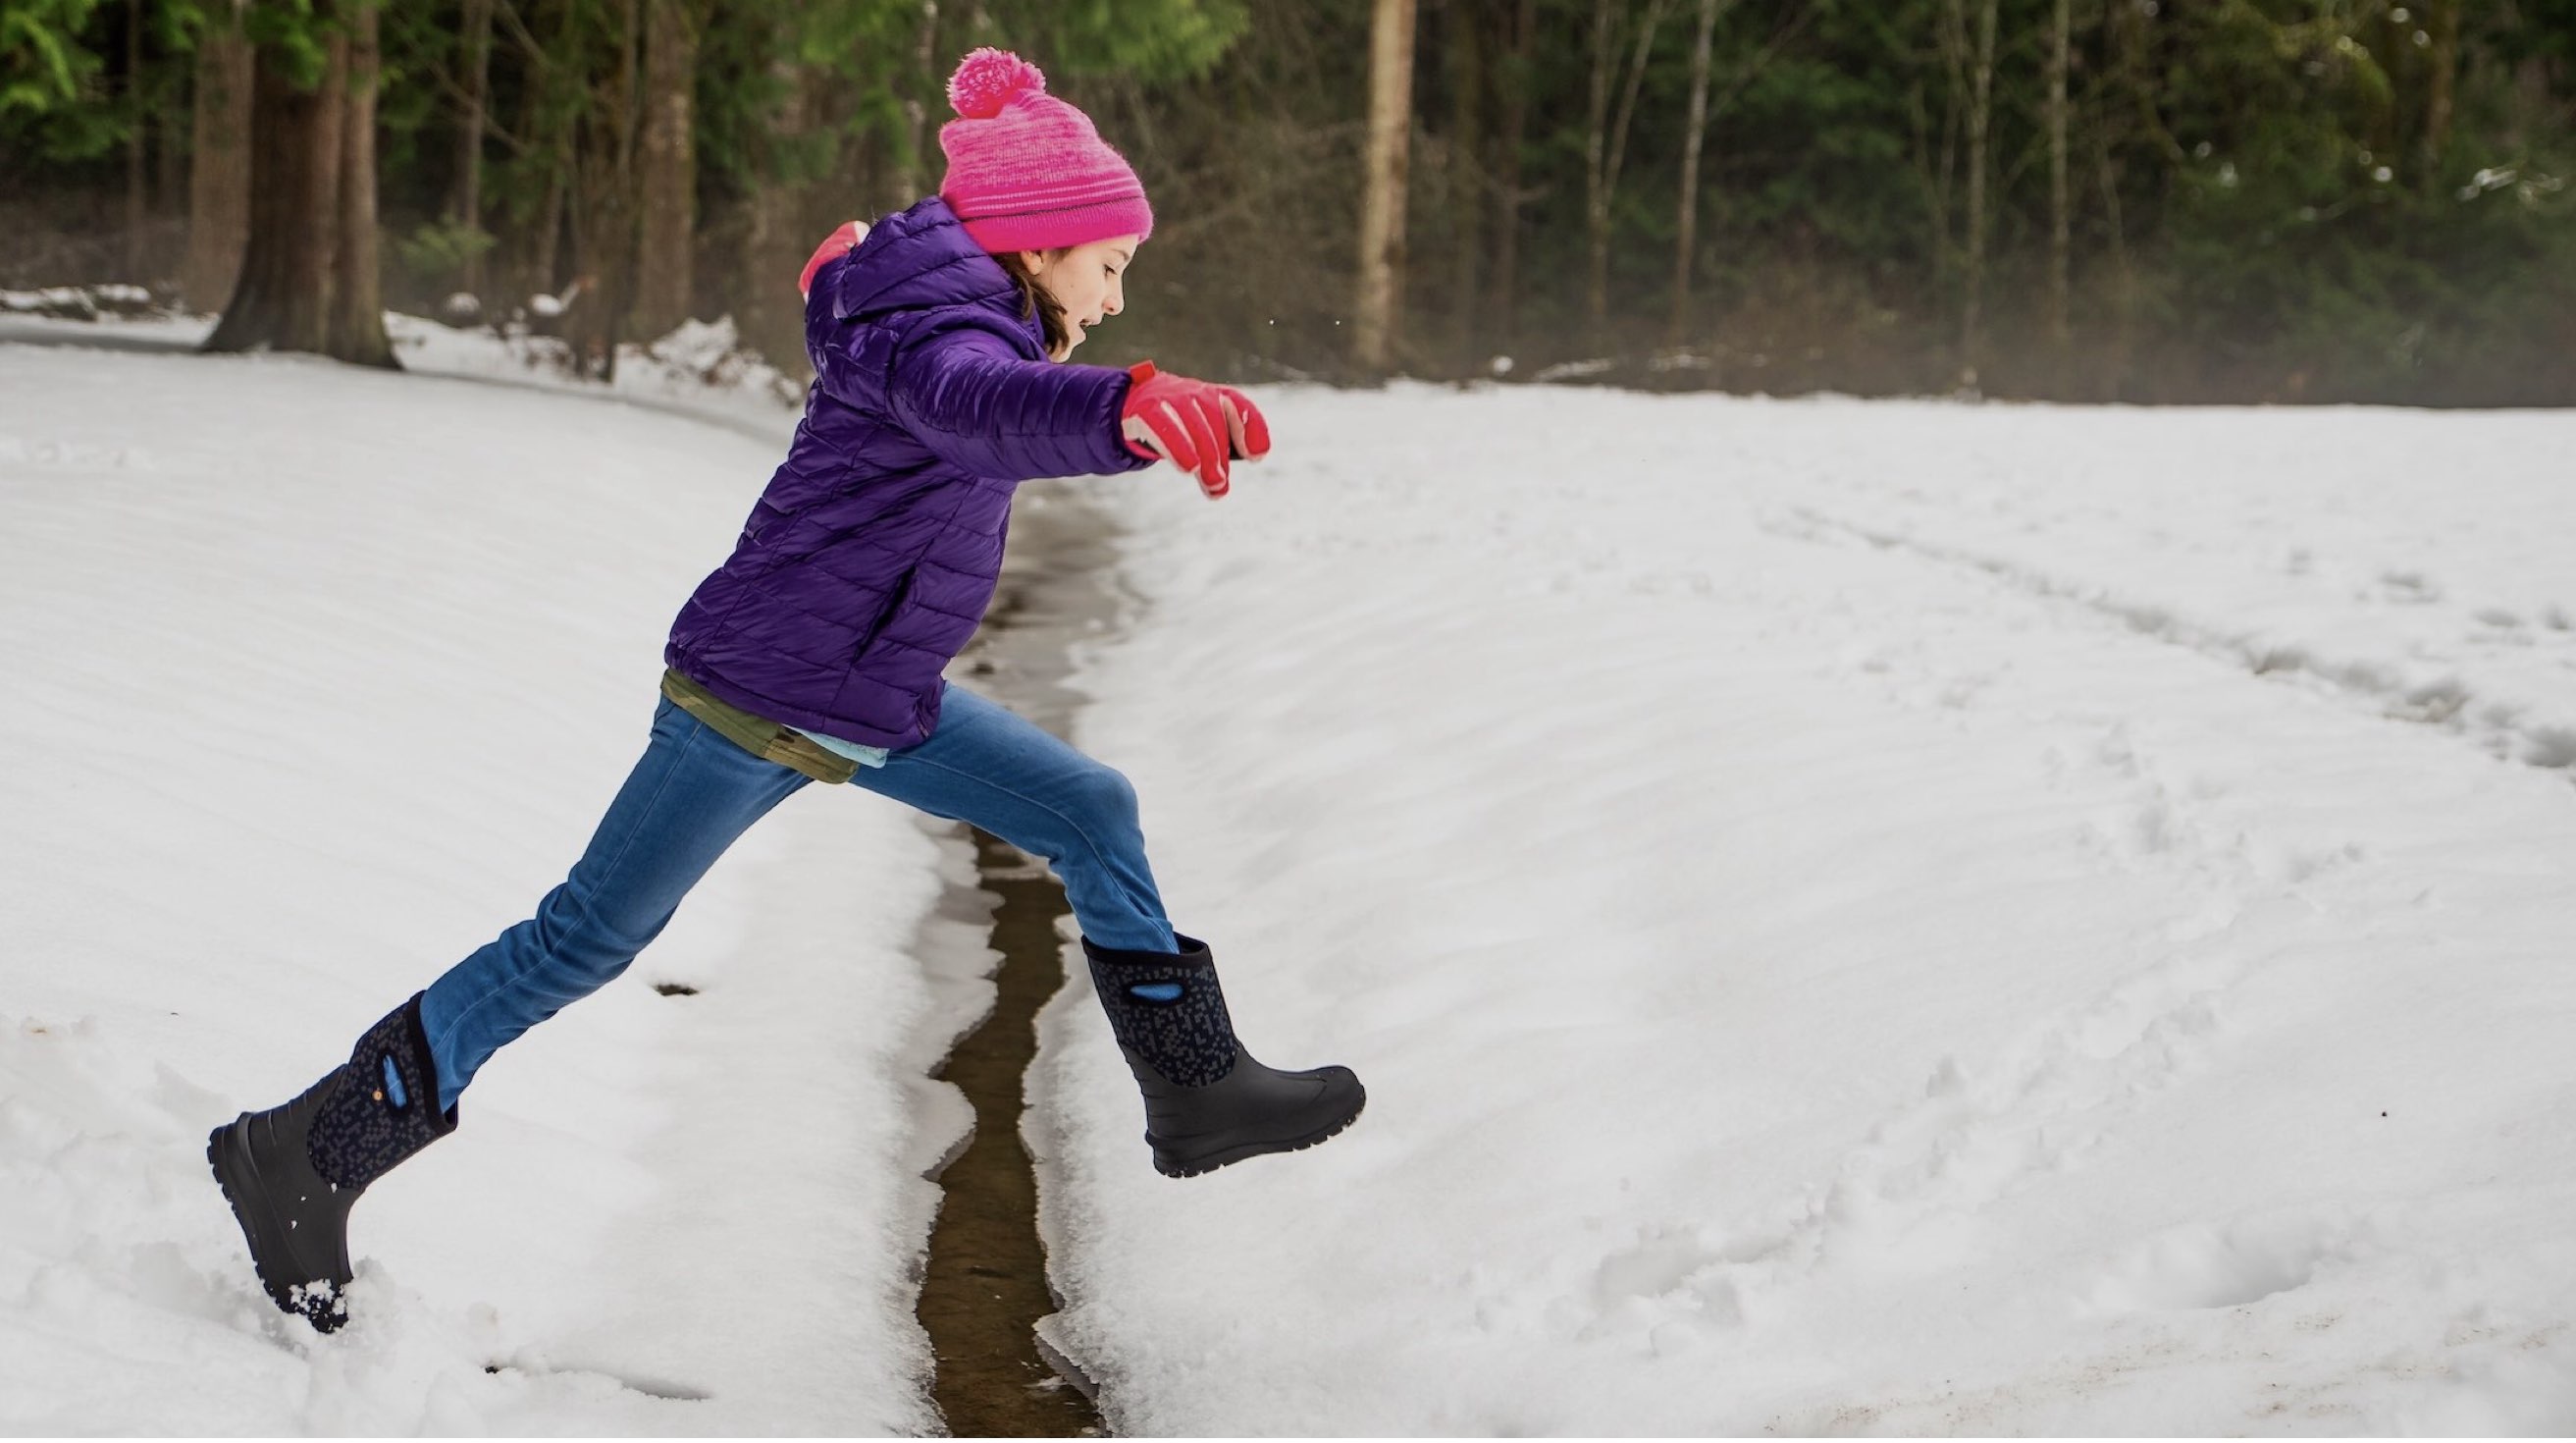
[[694, 792]]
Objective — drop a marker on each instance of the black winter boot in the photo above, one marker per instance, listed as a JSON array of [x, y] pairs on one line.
[[1207, 1102], [292, 1173]]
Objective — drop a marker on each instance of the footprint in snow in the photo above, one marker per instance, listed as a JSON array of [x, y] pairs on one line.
[[2408, 588], [2229, 1265]]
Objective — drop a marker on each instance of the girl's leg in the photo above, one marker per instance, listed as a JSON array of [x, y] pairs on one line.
[[988, 766], [685, 803], [292, 1173], [1207, 1101]]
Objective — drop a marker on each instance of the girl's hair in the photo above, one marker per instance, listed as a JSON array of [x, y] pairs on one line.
[[1034, 301]]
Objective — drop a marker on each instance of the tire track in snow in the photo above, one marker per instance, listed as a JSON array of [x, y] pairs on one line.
[[2500, 729]]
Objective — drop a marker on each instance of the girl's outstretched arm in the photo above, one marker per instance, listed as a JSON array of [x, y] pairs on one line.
[[965, 395]]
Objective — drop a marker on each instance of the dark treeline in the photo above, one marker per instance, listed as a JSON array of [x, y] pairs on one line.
[[2087, 199]]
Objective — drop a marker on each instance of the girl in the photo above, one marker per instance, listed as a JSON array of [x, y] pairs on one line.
[[815, 652]]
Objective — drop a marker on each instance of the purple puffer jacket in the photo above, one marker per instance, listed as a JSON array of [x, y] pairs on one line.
[[870, 558]]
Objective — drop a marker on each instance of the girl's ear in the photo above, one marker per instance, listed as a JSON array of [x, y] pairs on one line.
[[1033, 262]]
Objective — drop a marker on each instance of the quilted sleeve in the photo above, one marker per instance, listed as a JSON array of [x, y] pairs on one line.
[[966, 396]]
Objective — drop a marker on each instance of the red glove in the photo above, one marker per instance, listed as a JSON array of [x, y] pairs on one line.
[[839, 243], [1192, 424]]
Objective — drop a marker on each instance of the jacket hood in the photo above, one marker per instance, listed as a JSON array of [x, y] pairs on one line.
[[919, 259]]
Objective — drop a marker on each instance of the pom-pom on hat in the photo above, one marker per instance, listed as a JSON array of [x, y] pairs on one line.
[[1027, 171]]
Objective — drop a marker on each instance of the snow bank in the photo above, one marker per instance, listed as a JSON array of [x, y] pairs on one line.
[[76, 303], [322, 678], [1842, 930], [700, 369]]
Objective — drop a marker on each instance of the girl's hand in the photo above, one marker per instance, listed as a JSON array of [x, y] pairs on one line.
[[839, 243], [1194, 425]]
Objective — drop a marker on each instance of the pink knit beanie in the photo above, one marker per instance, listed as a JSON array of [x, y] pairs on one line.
[[1026, 171]]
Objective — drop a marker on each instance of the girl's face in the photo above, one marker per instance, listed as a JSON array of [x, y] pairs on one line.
[[1088, 281]]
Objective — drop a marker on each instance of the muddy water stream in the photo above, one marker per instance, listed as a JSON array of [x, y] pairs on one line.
[[985, 1286]]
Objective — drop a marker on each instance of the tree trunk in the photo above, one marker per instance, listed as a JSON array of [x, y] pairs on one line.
[[545, 262], [2442, 26], [219, 174], [357, 331], [776, 248], [1605, 149], [138, 210], [1980, 113], [665, 259], [1379, 313], [282, 300], [1596, 140], [1507, 175], [2121, 59], [552, 127], [605, 220], [2059, 43], [169, 168], [2124, 295], [908, 160], [1940, 162], [467, 210], [1686, 212], [1466, 142]]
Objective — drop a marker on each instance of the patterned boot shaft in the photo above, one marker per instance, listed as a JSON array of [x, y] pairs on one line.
[[385, 1107], [1167, 1009]]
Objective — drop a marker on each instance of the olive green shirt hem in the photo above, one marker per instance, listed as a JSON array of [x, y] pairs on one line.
[[768, 740]]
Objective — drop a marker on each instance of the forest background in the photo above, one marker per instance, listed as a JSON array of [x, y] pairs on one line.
[[2139, 200]]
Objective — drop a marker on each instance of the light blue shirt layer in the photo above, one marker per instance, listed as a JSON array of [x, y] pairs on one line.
[[864, 756]]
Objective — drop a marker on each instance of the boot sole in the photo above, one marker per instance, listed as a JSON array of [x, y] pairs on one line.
[[1200, 1166], [320, 1309]]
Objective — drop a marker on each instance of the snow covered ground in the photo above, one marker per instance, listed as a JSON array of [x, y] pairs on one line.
[[1855, 918], [323, 677]]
